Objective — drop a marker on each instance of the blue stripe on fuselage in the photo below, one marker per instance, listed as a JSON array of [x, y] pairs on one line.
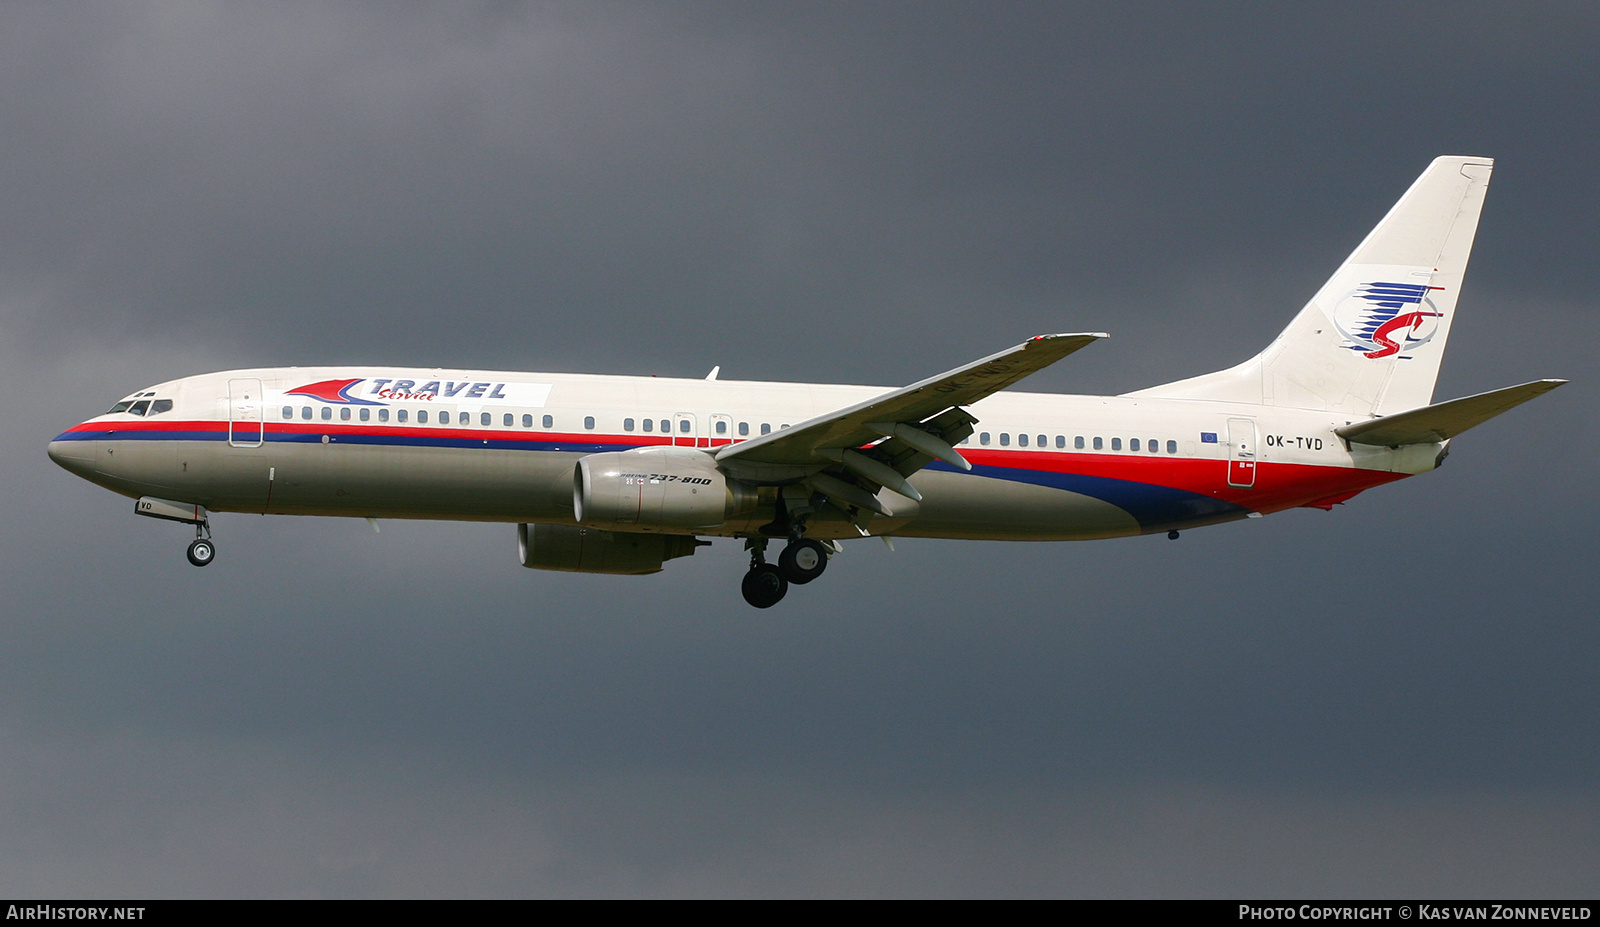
[[1152, 506]]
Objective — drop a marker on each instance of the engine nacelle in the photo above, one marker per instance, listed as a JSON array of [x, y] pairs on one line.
[[591, 550], [656, 489]]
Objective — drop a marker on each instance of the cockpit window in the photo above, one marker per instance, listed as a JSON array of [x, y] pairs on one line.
[[160, 406], [140, 407], [120, 407]]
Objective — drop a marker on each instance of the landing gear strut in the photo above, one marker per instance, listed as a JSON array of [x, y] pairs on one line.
[[764, 586]]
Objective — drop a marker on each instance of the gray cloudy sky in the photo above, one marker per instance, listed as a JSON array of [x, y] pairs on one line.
[[1398, 698]]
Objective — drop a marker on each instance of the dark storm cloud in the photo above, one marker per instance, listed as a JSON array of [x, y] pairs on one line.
[[558, 170], [1397, 693]]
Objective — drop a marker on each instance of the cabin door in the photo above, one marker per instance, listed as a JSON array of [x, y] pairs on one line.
[[245, 412], [1241, 452]]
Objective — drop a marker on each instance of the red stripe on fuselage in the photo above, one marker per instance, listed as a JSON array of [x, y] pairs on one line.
[[1277, 486]]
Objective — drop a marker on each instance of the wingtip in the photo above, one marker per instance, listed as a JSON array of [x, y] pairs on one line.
[[1056, 335]]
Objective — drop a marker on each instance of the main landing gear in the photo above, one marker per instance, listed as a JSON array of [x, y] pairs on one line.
[[802, 561]]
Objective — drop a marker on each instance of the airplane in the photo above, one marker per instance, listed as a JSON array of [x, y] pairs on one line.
[[619, 474]]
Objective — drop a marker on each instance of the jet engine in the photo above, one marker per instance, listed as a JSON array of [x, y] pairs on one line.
[[591, 550], [656, 489]]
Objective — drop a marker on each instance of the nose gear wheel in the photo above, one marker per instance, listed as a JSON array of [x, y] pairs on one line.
[[202, 552]]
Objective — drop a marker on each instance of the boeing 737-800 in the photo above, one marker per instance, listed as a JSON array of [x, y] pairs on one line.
[[611, 474]]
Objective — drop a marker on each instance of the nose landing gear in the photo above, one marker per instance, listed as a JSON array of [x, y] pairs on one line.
[[202, 552]]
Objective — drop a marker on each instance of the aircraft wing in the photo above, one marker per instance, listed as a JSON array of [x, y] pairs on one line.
[[1443, 420], [921, 422]]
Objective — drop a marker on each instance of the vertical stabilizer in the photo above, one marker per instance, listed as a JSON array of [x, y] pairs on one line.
[[1371, 340]]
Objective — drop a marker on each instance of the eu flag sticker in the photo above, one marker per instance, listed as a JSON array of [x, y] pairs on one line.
[[1208, 437]]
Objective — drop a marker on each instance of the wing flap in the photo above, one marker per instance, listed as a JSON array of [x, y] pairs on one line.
[[1445, 420]]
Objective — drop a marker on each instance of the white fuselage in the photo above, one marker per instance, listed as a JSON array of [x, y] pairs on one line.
[[494, 446]]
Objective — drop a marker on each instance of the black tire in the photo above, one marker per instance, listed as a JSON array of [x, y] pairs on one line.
[[202, 552], [803, 561], [764, 586]]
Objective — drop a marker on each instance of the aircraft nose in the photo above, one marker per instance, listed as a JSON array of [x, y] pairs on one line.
[[73, 456]]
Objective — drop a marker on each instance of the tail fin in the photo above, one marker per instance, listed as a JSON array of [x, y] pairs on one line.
[[1371, 340]]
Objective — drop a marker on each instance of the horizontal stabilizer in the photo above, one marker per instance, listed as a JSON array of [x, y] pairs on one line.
[[1431, 424]]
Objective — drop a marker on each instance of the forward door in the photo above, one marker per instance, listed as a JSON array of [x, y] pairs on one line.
[[245, 412]]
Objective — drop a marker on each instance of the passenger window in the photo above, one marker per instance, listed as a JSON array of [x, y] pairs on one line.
[[1077, 442], [422, 416], [527, 421], [400, 415], [983, 438], [683, 426], [588, 422], [1099, 442], [1042, 441], [305, 413], [1116, 444], [383, 415], [366, 415], [666, 427], [1061, 442], [288, 412], [649, 424], [327, 413], [1005, 439], [744, 428], [1133, 445], [344, 414], [505, 420], [140, 407], [1172, 447], [1022, 440], [765, 428], [627, 424], [549, 421], [722, 428]]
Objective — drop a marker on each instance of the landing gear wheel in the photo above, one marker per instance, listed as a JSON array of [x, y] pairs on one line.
[[803, 560], [202, 552], [764, 585]]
